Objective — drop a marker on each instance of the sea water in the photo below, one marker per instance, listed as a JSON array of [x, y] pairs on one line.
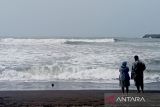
[[71, 60]]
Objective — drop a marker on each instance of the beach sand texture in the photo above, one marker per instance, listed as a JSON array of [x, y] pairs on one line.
[[65, 98]]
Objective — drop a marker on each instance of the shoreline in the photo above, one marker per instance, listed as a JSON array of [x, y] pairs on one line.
[[12, 85]]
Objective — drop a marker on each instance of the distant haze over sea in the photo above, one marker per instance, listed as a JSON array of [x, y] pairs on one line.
[[68, 36]]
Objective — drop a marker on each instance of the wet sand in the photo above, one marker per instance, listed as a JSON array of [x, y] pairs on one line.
[[52, 98]]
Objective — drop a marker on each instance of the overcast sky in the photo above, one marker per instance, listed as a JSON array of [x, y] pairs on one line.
[[125, 18]]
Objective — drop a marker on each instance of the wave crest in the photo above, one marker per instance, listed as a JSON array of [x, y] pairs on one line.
[[86, 41], [71, 73], [54, 41]]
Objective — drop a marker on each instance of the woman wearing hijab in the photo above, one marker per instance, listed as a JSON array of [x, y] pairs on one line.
[[124, 77]]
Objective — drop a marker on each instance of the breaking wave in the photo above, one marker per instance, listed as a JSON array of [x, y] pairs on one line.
[[60, 73], [87, 41], [56, 72], [56, 59], [54, 41]]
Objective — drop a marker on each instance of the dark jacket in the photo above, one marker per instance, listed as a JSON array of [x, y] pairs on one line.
[[137, 69]]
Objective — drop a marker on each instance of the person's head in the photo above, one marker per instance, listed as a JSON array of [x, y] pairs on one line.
[[124, 63], [136, 58]]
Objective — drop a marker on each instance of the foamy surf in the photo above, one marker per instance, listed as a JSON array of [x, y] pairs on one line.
[[54, 41], [56, 60], [85, 41]]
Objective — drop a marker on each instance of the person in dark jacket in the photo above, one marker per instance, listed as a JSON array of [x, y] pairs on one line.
[[124, 78], [137, 73]]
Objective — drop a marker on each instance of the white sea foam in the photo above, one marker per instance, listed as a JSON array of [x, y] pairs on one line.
[[53, 41], [72, 41], [53, 73], [50, 74], [53, 59]]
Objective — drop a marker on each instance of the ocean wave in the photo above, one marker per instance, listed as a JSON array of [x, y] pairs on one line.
[[54, 41], [31, 41], [55, 59], [59, 73], [87, 41], [153, 61]]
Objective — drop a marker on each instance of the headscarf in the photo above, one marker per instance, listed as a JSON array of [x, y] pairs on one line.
[[124, 64]]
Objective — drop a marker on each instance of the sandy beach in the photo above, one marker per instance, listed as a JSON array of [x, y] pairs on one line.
[[65, 98]]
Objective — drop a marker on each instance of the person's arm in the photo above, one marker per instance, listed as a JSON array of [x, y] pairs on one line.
[[132, 71], [144, 66]]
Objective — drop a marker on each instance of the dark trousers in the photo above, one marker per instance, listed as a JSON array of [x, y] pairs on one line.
[[139, 83]]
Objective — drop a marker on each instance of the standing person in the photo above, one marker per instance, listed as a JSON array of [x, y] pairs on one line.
[[137, 73], [124, 78]]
